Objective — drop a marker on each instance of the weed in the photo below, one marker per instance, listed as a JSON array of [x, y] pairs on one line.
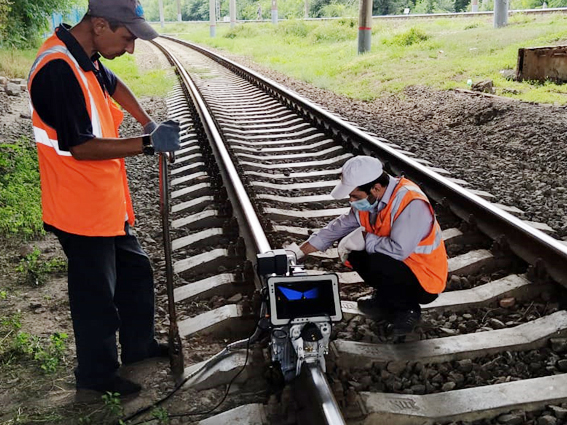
[[16, 63], [246, 31], [13, 322], [161, 414], [150, 83], [471, 26], [47, 353], [3, 295], [293, 28], [407, 38], [112, 404], [20, 193], [331, 32], [35, 270]]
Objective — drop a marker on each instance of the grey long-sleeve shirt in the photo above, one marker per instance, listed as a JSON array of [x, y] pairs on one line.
[[412, 225]]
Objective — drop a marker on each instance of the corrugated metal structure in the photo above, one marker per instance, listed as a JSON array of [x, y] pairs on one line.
[[542, 64]]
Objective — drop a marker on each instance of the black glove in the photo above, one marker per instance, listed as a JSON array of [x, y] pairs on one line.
[[165, 138]]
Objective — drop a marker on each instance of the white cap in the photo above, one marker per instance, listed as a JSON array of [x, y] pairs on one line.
[[356, 172]]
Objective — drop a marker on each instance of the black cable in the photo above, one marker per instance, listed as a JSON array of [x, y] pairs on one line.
[[177, 387]]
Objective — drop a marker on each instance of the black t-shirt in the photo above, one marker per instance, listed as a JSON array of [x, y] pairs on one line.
[[57, 95]]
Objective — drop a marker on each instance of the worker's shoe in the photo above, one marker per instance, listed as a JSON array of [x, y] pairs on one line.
[[160, 350], [115, 385], [405, 322], [373, 308]]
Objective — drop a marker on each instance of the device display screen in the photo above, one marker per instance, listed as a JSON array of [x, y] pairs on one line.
[[304, 299]]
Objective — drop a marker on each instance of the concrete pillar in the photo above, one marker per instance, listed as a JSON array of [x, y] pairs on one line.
[[365, 26], [500, 13], [306, 9], [179, 10], [232, 11], [475, 6], [275, 12], [161, 19], [212, 18]]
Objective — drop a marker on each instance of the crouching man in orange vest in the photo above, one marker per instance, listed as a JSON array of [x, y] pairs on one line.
[[85, 196], [400, 251]]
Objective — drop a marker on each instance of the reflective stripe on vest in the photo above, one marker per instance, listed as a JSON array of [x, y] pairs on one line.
[[83, 197], [95, 119], [428, 261]]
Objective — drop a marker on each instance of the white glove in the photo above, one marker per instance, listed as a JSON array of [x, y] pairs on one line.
[[354, 241], [296, 250]]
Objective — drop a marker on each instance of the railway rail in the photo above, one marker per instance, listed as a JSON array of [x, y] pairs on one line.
[[254, 173]]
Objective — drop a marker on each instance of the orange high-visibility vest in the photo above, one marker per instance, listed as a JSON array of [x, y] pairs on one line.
[[89, 198], [429, 259]]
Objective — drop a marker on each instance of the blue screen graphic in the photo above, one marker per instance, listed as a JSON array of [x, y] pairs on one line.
[[293, 295]]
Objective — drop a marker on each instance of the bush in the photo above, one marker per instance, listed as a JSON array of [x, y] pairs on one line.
[[407, 38], [35, 269], [242, 31], [293, 28], [332, 32], [20, 191]]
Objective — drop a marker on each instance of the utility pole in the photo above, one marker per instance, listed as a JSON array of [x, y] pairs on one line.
[[306, 9], [500, 13], [275, 12], [179, 10], [161, 12], [474, 6], [212, 18], [232, 12], [365, 26]]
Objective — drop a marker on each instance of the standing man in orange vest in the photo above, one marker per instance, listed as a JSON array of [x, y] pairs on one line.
[[399, 250], [85, 196]]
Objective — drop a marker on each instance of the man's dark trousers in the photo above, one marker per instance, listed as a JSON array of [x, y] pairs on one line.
[[397, 288], [111, 288]]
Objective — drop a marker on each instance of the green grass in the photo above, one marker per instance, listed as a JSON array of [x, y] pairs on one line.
[[16, 63], [20, 193], [152, 83], [440, 53]]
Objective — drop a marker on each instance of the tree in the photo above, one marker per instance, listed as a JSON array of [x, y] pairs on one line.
[[4, 10], [28, 19]]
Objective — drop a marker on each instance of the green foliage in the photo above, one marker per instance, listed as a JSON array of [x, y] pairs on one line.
[[152, 83], [161, 414], [26, 20], [243, 31], [20, 192], [35, 270], [407, 38], [112, 404], [3, 295], [331, 32], [293, 28], [11, 323], [4, 10], [16, 63], [47, 353]]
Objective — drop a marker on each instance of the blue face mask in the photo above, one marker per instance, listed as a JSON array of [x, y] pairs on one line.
[[363, 205]]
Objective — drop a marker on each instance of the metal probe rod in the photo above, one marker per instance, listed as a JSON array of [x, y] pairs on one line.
[[174, 340]]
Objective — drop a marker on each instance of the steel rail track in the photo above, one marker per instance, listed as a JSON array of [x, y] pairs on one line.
[[530, 244], [545, 254], [317, 388]]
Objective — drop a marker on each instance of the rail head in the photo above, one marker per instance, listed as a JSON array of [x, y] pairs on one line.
[[249, 223]]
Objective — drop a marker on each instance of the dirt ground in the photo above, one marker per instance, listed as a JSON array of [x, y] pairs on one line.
[[515, 150]]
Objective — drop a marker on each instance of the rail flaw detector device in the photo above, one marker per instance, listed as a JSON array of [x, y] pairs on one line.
[[301, 308]]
